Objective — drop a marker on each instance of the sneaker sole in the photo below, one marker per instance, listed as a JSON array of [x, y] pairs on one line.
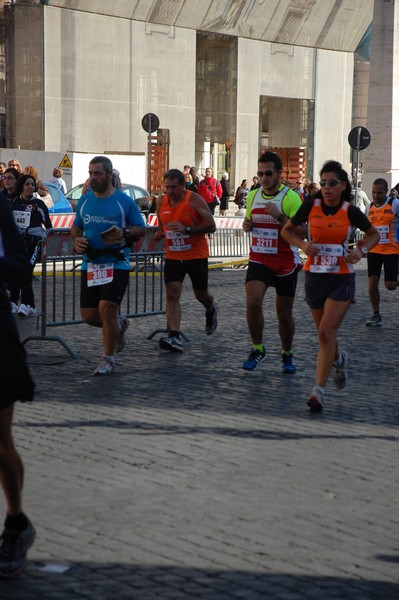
[[373, 324]]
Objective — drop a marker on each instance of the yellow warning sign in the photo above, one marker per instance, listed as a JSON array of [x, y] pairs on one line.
[[65, 163]]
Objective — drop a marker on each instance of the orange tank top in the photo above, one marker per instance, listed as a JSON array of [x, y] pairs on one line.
[[331, 234], [383, 219], [182, 246]]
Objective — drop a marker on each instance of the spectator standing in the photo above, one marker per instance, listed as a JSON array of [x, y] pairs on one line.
[[189, 184], [3, 167], [32, 218], [362, 200], [14, 162], [15, 384], [40, 187], [224, 200], [211, 190], [194, 175], [9, 192], [58, 180], [241, 194], [106, 223], [255, 183]]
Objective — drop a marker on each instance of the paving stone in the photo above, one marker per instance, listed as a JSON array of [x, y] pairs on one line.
[[185, 477]]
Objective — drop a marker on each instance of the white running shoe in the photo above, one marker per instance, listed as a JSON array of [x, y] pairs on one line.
[[105, 366], [172, 343], [340, 376], [23, 310], [123, 327], [316, 399], [14, 308], [31, 311]]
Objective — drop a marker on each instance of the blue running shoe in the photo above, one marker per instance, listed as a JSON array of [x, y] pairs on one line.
[[255, 357], [288, 365]]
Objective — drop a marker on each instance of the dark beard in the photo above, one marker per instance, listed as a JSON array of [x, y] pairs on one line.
[[99, 186]]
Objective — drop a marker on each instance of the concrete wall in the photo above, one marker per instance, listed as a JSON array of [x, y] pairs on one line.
[[292, 72], [333, 87], [103, 74]]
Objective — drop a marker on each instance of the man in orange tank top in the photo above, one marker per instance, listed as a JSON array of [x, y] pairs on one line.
[[384, 215], [184, 219]]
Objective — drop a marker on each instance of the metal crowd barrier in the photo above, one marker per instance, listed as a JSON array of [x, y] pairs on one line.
[[229, 243], [60, 283]]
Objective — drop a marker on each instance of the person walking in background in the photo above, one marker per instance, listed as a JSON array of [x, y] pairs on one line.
[[241, 196], [189, 184], [211, 190], [106, 223], [15, 384], [194, 175], [272, 261], [32, 218], [329, 272], [362, 200], [224, 200], [255, 183], [384, 215], [184, 219], [58, 180]]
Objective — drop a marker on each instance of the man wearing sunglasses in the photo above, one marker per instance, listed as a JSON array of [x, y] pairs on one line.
[[272, 261]]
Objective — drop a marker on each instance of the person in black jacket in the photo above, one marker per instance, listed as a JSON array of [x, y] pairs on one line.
[[32, 219], [8, 193], [15, 384]]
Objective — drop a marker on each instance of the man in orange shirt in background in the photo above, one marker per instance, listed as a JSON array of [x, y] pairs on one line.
[[384, 215]]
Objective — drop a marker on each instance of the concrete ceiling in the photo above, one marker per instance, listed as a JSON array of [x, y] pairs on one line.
[[329, 24]]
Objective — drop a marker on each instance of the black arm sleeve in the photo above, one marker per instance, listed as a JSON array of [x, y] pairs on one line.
[[302, 214], [358, 218]]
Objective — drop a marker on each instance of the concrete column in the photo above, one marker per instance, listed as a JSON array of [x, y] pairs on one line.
[[381, 158]]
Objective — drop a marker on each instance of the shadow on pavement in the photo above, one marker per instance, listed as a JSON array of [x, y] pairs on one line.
[[89, 580]]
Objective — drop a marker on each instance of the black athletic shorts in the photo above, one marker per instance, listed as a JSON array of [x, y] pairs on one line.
[[15, 380], [196, 269], [285, 284], [320, 286], [112, 292], [390, 262]]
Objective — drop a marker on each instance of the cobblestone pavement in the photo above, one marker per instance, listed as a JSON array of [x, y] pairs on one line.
[[184, 477]]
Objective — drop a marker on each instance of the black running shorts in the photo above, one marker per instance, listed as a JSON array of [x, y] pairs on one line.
[[112, 292], [196, 269]]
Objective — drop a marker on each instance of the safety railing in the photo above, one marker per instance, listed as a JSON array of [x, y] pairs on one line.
[[60, 283]]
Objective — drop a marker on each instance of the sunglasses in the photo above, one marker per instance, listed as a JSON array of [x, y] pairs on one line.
[[266, 173], [330, 183]]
